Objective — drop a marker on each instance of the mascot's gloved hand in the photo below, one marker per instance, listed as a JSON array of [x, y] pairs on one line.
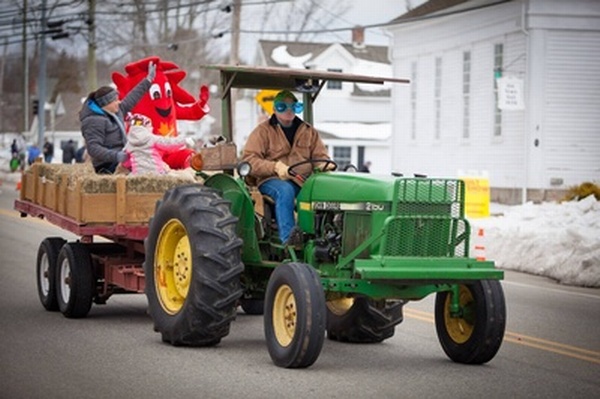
[[281, 170], [204, 96], [190, 142], [151, 72]]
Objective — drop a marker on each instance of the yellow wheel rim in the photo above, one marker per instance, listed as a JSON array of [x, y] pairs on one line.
[[284, 315], [340, 306], [173, 266], [461, 328]]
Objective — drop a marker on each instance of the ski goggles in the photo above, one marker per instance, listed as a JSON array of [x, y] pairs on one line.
[[295, 107]]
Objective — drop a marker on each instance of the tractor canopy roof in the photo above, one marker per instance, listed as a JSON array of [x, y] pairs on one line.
[[309, 82]]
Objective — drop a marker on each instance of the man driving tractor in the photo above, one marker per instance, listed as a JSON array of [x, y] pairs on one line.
[[275, 144]]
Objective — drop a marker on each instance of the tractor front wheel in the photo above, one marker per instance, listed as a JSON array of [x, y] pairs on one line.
[[294, 315], [473, 333]]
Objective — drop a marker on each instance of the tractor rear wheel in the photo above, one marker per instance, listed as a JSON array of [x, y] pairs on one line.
[[193, 266], [475, 333], [362, 320], [46, 271], [294, 315], [74, 280]]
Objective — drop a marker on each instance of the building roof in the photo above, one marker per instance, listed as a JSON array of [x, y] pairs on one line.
[[301, 51], [433, 7], [429, 7]]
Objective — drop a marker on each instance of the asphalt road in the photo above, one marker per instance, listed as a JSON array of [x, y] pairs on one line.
[[551, 348]]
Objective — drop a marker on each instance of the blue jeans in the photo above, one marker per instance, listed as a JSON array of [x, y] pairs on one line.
[[284, 193]]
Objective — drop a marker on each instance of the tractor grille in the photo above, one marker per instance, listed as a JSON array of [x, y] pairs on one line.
[[428, 220], [440, 197]]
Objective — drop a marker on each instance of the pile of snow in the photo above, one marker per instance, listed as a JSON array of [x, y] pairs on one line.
[[556, 240]]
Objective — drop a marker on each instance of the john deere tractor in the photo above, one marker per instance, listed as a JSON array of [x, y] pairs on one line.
[[370, 244]]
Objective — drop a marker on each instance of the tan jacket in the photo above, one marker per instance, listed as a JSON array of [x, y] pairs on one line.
[[267, 144]]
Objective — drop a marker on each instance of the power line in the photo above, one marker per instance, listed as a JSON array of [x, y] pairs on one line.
[[378, 25]]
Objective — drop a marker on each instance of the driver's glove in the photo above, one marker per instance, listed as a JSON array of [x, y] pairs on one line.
[[328, 166], [281, 170]]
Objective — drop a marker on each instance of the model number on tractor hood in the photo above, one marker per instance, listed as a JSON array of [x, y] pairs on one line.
[[346, 206]]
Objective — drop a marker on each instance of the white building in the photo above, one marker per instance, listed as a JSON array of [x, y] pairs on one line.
[[547, 136], [354, 119]]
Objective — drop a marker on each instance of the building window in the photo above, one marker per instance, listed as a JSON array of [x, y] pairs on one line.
[[498, 61], [413, 101], [437, 97], [466, 94], [342, 156], [334, 85]]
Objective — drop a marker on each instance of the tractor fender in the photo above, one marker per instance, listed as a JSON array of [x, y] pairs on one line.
[[235, 190]]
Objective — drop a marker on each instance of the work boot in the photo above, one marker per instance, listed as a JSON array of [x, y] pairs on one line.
[[296, 238]]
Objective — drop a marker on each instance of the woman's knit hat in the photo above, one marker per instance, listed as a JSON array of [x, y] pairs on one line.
[[105, 95]]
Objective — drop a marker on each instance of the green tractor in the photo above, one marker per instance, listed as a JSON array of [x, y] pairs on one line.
[[370, 245]]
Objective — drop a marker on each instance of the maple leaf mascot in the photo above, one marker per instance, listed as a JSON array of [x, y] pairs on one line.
[[165, 103]]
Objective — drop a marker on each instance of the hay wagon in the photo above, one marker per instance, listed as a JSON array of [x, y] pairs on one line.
[[109, 214]]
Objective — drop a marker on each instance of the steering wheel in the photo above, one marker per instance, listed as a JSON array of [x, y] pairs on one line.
[[292, 172]]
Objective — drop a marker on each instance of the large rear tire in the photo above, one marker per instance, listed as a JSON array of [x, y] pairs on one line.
[[294, 315], [475, 335], [362, 320], [193, 267], [46, 271], [74, 280]]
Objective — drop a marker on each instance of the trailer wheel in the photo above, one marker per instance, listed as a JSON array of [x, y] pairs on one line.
[[193, 267], [294, 315], [74, 280], [475, 336], [362, 320], [46, 270]]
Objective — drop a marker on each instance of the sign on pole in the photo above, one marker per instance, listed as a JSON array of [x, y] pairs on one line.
[[477, 196], [510, 93]]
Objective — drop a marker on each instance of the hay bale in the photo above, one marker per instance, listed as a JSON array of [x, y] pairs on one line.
[[150, 183], [92, 183]]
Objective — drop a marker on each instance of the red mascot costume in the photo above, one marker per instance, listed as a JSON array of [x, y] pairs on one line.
[[165, 103]]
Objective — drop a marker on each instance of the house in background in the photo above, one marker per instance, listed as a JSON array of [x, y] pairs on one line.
[[511, 88], [354, 120]]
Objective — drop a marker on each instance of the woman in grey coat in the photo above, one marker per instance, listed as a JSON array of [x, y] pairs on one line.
[[103, 126]]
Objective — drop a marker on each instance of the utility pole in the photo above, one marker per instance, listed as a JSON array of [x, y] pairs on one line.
[[234, 58], [91, 60], [25, 71], [42, 80]]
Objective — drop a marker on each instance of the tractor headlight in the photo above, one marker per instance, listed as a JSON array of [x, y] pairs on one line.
[[243, 169]]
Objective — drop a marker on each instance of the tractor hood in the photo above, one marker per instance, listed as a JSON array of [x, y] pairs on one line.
[[348, 187]]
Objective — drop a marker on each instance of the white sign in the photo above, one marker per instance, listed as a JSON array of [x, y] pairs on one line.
[[510, 93]]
